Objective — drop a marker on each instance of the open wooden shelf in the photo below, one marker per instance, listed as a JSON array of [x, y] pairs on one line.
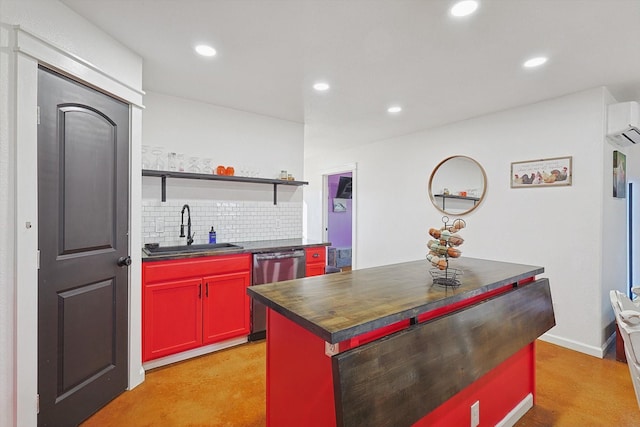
[[451, 196], [163, 175]]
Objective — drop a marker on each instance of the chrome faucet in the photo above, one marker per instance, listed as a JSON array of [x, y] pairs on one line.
[[189, 236]]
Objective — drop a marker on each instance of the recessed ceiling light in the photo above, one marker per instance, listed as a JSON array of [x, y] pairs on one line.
[[535, 62], [321, 86], [205, 50], [464, 8], [394, 109]]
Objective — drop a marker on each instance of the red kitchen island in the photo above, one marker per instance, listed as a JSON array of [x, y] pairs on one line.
[[384, 346]]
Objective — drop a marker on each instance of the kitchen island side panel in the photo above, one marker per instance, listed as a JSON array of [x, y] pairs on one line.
[[398, 380], [300, 385], [299, 382], [513, 381]]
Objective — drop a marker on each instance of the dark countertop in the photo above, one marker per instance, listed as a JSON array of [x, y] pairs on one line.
[[340, 306], [252, 247]]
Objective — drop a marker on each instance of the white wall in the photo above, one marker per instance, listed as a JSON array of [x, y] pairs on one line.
[[229, 137], [563, 229], [50, 33]]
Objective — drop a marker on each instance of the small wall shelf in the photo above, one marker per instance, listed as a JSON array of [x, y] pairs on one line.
[[444, 197], [163, 175]]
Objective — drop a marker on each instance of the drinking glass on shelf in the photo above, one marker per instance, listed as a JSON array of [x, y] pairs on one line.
[[194, 165], [173, 161], [180, 162], [146, 161], [207, 166], [158, 162]]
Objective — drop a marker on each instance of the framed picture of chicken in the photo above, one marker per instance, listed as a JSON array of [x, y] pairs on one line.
[[619, 175], [551, 172]]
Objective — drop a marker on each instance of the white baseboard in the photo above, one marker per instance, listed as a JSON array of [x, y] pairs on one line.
[[518, 412], [179, 357], [598, 352], [137, 379]]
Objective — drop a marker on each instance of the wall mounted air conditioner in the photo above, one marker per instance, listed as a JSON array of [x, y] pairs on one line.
[[623, 123]]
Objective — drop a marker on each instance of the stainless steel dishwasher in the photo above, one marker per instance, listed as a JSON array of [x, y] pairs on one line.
[[268, 268]]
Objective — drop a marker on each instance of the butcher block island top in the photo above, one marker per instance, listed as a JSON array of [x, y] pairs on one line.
[[340, 306]]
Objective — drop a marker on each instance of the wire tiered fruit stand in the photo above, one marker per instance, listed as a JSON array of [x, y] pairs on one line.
[[444, 246]]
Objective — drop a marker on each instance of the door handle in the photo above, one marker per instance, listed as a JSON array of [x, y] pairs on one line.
[[124, 261], [206, 290]]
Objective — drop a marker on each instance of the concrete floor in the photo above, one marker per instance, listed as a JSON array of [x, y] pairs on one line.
[[574, 390], [227, 389]]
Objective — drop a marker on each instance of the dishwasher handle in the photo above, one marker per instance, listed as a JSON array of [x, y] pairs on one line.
[[279, 255]]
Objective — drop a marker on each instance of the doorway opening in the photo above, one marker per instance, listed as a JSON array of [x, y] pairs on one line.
[[339, 218]]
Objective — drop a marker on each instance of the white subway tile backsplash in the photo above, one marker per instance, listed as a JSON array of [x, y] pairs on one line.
[[234, 221]]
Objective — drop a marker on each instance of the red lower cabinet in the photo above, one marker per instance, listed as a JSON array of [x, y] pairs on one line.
[[316, 261], [172, 318], [226, 307], [193, 302]]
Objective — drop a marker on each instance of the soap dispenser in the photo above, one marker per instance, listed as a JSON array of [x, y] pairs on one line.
[[212, 236]]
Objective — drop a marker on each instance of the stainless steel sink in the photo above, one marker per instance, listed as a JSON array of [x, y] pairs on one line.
[[185, 249]]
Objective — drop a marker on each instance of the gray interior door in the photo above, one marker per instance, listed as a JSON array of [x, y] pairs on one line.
[[83, 185]]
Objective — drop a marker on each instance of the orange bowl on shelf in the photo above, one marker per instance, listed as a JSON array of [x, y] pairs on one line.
[[221, 170], [230, 171]]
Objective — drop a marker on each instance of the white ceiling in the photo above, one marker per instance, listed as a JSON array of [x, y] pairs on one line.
[[375, 53]]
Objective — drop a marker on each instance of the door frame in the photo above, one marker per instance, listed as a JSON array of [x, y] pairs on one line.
[[353, 169], [28, 52]]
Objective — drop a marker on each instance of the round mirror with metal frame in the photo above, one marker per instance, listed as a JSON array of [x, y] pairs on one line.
[[457, 185]]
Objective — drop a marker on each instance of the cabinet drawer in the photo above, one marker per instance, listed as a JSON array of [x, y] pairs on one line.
[[315, 270], [156, 271], [316, 255]]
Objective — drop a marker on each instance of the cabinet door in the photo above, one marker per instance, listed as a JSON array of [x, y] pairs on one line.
[[225, 306], [171, 318]]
